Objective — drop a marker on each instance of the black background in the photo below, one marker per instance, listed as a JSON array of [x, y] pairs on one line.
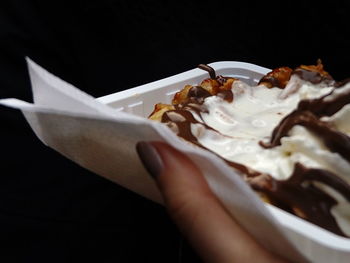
[[52, 210]]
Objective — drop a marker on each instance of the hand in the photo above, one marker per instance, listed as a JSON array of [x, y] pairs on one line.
[[200, 216]]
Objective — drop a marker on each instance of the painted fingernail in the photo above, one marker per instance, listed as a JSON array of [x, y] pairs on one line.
[[150, 158]]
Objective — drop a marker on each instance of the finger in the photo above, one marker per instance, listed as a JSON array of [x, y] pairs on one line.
[[197, 212]]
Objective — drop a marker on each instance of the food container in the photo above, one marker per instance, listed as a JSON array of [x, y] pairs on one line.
[[317, 244]]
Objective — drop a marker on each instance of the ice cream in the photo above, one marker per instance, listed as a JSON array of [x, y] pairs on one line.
[[288, 137]]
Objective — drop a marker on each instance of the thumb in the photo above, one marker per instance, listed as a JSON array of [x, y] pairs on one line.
[[195, 210]]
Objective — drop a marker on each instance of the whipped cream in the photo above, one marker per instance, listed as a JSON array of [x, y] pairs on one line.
[[238, 127], [251, 118], [288, 137]]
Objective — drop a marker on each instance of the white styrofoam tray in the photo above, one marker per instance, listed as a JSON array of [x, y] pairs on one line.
[[318, 244]]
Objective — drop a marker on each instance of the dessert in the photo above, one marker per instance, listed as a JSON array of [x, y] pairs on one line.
[[288, 137]]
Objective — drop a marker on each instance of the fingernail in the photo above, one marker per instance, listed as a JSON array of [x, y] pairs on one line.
[[150, 158]]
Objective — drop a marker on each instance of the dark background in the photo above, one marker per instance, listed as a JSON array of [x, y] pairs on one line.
[[52, 210]]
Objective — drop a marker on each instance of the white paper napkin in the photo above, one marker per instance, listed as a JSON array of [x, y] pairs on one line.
[[103, 140]]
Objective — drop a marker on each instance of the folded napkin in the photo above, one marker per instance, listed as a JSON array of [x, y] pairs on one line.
[[102, 140]]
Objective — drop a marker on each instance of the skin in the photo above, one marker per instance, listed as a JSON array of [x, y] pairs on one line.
[[199, 215]]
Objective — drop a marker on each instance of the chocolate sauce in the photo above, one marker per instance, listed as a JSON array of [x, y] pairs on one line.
[[197, 94], [220, 79], [209, 69], [336, 141], [179, 121], [321, 107], [308, 114], [314, 77], [272, 81], [299, 194], [342, 83], [301, 197]]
